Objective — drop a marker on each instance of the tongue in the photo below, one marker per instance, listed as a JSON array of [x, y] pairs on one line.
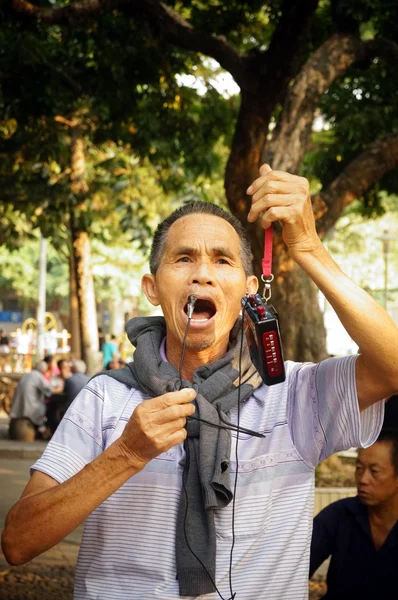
[[204, 314]]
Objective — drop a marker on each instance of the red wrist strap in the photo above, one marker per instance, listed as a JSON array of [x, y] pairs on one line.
[[267, 260]]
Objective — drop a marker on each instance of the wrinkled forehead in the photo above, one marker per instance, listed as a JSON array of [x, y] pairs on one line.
[[203, 229]]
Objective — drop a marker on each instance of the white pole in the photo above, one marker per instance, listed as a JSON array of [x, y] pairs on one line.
[[41, 300]]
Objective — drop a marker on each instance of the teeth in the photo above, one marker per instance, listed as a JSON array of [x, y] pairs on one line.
[[200, 320]]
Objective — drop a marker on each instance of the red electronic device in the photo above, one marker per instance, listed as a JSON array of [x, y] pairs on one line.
[[261, 325], [263, 338]]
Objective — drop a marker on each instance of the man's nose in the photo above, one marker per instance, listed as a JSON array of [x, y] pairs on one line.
[[203, 274], [363, 478]]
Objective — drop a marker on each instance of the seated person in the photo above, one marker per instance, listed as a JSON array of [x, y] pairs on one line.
[[361, 534], [55, 404], [28, 402], [75, 383]]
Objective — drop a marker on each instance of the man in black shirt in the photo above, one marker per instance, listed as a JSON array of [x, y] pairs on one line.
[[76, 382], [361, 534]]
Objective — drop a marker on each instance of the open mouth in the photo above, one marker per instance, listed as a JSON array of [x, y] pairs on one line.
[[204, 310]]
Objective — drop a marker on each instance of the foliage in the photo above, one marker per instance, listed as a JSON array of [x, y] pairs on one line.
[[19, 271], [120, 74], [356, 245], [359, 107]]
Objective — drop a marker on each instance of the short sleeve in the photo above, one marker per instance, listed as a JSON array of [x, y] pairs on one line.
[[77, 440], [324, 415]]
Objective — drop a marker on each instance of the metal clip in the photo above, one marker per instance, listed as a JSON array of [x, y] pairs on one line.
[[267, 286]]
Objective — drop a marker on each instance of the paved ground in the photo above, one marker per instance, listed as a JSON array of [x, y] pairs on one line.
[[50, 575]]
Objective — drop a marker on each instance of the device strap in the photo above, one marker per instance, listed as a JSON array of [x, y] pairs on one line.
[[267, 276], [267, 260]]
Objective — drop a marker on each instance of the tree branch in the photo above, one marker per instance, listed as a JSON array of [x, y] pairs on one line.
[[166, 21], [367, 168], [178, 31], [283, 52], [66, 15], [292, 136]]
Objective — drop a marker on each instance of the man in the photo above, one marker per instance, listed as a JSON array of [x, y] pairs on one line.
[[109, 350], [164, 484], [55, 405], [361, 534], [28, 402], [4, 343], [76, 382]]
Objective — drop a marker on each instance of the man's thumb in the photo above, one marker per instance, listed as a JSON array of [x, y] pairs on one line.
[[264, 169]]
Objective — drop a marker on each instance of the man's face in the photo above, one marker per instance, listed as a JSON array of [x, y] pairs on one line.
[[376, 480], [65, 369], [202, 257]]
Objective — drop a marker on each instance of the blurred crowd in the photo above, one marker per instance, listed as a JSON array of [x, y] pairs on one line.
[[43, 395]]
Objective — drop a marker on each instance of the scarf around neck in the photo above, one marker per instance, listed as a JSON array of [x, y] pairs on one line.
[[206, 476]]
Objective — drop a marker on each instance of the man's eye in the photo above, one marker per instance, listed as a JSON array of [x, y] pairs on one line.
[[184, 259], [223, 261]]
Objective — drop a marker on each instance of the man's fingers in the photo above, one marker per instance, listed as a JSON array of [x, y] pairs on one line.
[[181, 397], [171, 427], [273, 188], [282, 176], [264, 169], [169, 407], [184, 396], [270, 201], [173, 413], [279, 213]]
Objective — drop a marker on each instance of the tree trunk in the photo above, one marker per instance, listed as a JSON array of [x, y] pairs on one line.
[[81, 250], [294, 296], [86, 299], [246, 152], [74, 329]]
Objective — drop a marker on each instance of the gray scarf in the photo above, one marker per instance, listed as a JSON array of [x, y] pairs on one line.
[[206, 474]]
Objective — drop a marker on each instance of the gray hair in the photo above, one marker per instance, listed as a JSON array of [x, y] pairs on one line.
[[194, 208], [79, 366], [41, 366]]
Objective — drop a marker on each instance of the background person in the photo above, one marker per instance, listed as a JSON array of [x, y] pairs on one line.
[[4, 343], [56, 403], [28, 402], [110, 350], [130, 447], [75, 383], [361, 534], [52, 367]]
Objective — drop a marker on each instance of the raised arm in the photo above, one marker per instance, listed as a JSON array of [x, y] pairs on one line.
[[280, 196], [48, 511]]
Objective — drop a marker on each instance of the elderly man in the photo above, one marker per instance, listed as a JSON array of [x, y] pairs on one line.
[[76, 382], [361, 534], [177, 499], [28, 402]]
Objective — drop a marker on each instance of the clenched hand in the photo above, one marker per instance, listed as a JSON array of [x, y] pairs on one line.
[[156, 425], [280, 196]]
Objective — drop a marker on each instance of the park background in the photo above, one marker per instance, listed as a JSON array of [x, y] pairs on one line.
[[115, 112]]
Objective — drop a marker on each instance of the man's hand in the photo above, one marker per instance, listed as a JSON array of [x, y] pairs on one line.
[[156, 425], [280, 196]]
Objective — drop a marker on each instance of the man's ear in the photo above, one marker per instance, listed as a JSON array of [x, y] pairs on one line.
[[252, 284], [148, 286]]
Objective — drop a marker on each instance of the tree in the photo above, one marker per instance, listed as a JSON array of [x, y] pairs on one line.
[[292, 60]]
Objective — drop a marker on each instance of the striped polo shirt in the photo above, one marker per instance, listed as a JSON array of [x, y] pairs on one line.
[[128, 545]]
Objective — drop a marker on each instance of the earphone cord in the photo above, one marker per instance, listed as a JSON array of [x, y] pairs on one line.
[[236, 461], [237, 429]]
